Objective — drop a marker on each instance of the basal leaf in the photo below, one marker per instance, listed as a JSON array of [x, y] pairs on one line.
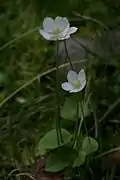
[[59, 159], [49, 140], [89, 145], [39, 151], [69, 109], [80, 159]]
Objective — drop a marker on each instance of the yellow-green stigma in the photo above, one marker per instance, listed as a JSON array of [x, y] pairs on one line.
[[76, 84], [57, 31]]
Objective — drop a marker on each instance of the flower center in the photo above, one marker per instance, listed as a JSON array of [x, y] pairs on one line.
[[57, 31], [76, 84]]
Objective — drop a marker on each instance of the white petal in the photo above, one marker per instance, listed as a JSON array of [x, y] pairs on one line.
[[61, 23], [83, 84], [75, 90], [72, 30], [46, 35], [54, 38], [64, 37], [67, 86], [48, 24], [71, 76], [81, 76], [67, 37], [64, 34], [78, 89]]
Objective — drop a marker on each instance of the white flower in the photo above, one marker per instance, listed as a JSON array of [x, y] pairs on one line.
[[76, 82], [58, 29]]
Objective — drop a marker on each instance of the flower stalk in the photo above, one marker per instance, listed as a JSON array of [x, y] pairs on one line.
[[79, 123], [58, 128], [69, 60]]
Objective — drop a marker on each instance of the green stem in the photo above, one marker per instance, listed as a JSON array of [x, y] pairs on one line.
[[96, 123], [108, 152], [58, 128], [113, 171], [82, 114], [69, 60], [77, 123], [78, 133], [79, 129]]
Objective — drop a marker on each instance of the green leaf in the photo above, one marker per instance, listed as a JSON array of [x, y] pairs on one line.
[[49, 140], [40, 151], [69, 109], [59, 159], [80, 159], [86, 109], [89, 145]]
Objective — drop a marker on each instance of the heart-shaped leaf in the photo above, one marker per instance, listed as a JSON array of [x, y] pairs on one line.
[[59, 159], [49, 140], [89, 145], [80, 159], [69, 109], [39, 151]]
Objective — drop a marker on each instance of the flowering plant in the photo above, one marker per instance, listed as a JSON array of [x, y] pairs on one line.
[[76, 82], [58, 29], [59, 141]]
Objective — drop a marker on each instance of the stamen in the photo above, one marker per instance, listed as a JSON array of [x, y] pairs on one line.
[[76, 84]]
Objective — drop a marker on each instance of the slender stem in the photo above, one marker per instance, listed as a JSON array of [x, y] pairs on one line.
[[79, 129], [91, 172], [108, 152], [107, 175], [82, 114], [96, 123], [68, 55], [113, 171], [77, 123], [58, 129], [87, 89], [83, 117]]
